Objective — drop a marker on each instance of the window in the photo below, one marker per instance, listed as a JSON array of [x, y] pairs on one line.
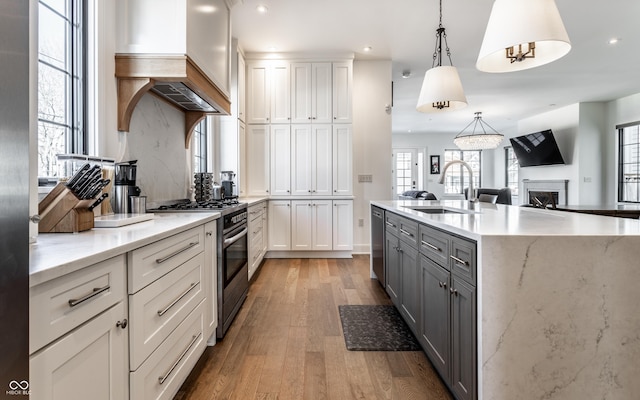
[[629, 163], [457, 176], [511, 168], [200, 147], [61, 82]]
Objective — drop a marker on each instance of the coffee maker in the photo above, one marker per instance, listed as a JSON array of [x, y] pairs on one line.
[[227, 183], [124, 186]]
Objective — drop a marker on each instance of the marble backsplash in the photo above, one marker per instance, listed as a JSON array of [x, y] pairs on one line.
[[156, 140]]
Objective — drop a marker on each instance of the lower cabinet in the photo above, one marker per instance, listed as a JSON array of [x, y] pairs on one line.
[[257, 239], [90, 362], [311, 226], [434, 288], [279, 225]]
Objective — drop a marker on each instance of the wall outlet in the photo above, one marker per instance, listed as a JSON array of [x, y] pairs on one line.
[[365, 178], [361, 222], [587, 179]]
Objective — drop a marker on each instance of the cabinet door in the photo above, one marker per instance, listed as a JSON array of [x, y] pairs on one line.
[[258, 160], [242, 160], [280, 160], [342, 160], [90, 362], [301, 93], [265, 229], [242, 85], [342, 91], [435, 319], [463, 342], [279, 225], [409, 292], [301, 225], [342, 225], [321, 93], [321, 160], [210, 280], [258, 93], [392, 261], [301, 159], [322, 224], [280, 93]]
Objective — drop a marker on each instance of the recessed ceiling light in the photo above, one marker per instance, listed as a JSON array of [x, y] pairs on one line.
[[614, 40], [367, 49], [262, 9], [406, 74]]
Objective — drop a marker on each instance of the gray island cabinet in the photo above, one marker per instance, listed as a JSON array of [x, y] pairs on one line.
[[518, 303]]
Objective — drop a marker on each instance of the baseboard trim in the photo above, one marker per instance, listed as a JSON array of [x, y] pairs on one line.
[[308, 254]]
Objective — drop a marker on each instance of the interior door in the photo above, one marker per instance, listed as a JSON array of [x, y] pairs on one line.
[[407, 171]]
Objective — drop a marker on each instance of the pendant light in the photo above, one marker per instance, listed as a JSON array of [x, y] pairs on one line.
[[441, 88], [482, 140], [522, 34]]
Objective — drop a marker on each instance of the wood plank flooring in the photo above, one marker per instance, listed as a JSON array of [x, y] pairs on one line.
[[286, 342]]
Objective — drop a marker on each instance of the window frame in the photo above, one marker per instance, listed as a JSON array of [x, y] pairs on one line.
[[623, 184], [76, 74], [510, 155], [459, 167]]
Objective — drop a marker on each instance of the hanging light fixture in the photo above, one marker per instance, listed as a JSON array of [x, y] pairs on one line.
[[522, 34], [478, 141], [441, 88]]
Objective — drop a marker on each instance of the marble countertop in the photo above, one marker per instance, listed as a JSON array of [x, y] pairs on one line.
[[252, 200], [474, 220], [57, 254]]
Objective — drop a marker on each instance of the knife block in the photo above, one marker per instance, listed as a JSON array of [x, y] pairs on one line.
[[61, 211]]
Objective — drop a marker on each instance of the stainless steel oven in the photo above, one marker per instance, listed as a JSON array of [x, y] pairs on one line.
[[233, 282]]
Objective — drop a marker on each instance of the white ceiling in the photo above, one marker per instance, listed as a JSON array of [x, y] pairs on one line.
[[403, 31]]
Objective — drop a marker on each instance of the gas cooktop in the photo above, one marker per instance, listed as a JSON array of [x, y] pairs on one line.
[[225, 205]]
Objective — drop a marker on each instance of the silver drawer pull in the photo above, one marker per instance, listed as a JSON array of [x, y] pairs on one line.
[[406, 233], [377, 214], [432, 247], [173, 303], [175, 253], [161, 379], [96, 291], [460, 261], [390, 224]]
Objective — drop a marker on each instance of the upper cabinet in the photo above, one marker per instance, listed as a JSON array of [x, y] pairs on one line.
[[342, 92], [179, 49], [268, 97]]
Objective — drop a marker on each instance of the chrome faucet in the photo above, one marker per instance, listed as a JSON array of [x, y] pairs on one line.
[[472, 193]]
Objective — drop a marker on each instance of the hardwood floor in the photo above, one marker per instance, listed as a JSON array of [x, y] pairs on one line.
[[286, 342]]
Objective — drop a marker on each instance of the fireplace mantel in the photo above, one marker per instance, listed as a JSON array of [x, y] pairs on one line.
[[560, 186]]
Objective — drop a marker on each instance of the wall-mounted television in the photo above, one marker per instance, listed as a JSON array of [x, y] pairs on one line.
[[538, 148]]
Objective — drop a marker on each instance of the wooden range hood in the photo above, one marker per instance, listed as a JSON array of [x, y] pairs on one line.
[[175, 79]]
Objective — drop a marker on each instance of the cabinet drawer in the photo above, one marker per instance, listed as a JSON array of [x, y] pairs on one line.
[[462, 260], [254, 212], [150, 262], [408, 231], [391, 222], [60, 305], [168, 366], [159, 308], [435, 245], [255, 232]]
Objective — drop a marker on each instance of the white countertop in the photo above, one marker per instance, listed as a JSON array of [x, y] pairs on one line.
[[485, 219], [57, 254]]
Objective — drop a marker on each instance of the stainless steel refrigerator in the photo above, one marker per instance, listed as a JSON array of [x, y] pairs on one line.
[[14, 198]]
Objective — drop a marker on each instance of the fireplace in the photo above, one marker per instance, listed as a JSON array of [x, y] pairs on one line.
[[548, 192]]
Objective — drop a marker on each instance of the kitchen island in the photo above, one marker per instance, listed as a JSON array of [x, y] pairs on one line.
[[556, 298]]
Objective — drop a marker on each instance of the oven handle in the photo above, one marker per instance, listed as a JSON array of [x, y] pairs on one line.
[[235, 238]]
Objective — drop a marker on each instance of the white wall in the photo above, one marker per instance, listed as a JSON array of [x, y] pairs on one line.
[[371, 142]]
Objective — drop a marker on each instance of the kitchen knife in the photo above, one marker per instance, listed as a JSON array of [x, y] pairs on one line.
[[79, 179], [98, 187], [77, 175], [98, 201], [94, 174]]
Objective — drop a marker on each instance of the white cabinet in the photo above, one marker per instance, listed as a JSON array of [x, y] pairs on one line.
[[258, 160], [280, 160], [342, 92], [88, 363], [342, 160], [210, 281], [79, 334], [242, 162], [311, 93], [342, 225], [242, 82], [268, 92], [257, 224], [279, 225], [311, 161], [311, 225]]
